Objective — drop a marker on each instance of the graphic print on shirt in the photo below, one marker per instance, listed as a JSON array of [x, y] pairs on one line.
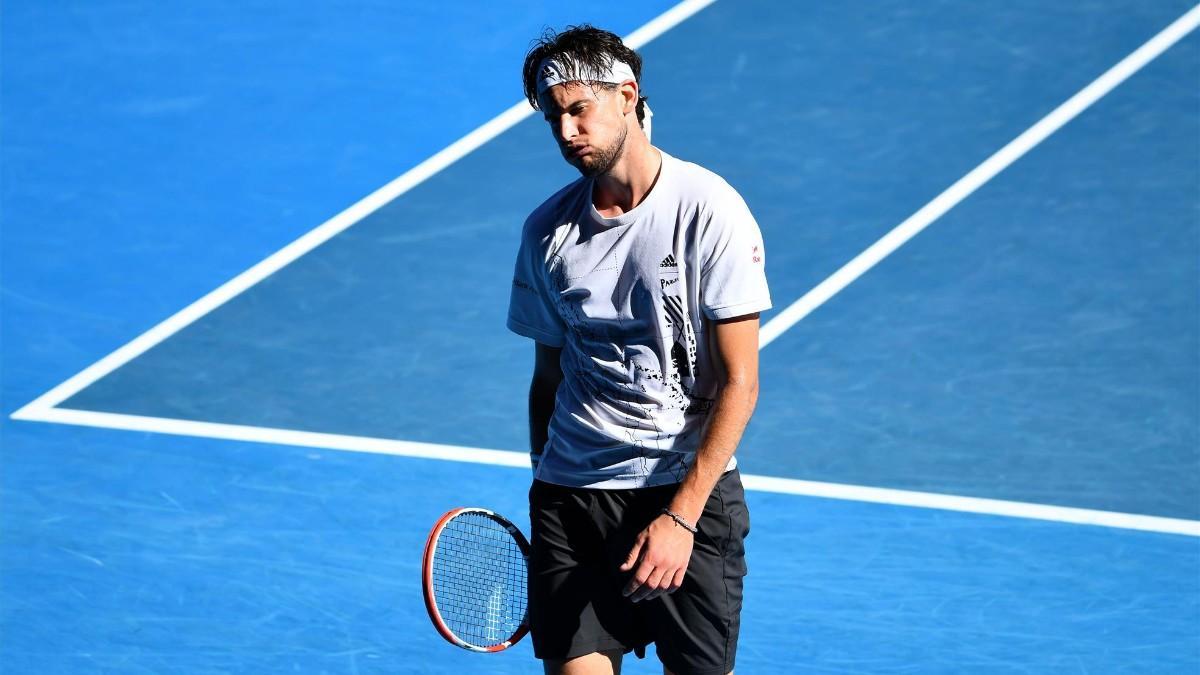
[[615, 309], [680, 332], [605, 337]]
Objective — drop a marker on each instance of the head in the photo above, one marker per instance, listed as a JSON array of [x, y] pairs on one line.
[[589, 117]]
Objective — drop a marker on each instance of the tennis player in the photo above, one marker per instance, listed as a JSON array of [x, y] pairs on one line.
[[641, 285]]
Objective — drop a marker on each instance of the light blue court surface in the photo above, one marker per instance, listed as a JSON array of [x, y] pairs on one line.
[[1040, 343]]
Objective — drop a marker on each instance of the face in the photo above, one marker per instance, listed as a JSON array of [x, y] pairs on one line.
[[588, 124]]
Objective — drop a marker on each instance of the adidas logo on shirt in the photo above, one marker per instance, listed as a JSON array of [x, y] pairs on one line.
[[668, 261]]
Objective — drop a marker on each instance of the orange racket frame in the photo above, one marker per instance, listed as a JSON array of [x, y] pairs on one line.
[[427, 579]]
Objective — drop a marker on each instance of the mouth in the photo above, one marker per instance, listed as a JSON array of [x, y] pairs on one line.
[[573, 152]]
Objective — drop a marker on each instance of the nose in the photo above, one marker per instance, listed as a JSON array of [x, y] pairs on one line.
[[565, 128]]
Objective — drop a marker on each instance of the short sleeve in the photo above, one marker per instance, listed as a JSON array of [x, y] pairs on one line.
[[530, 310], [733, 279]]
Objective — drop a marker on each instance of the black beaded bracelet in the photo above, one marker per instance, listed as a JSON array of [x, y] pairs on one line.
[[680, 521]]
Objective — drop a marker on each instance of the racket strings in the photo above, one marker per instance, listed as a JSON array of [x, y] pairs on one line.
[[479, 580]]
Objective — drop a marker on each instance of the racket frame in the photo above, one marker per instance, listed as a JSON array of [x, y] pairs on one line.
[[427, 578]]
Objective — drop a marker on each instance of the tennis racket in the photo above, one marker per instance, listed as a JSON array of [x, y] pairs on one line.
[[474, 580]]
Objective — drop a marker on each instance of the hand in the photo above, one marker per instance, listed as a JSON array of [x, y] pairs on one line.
[[660, 554]]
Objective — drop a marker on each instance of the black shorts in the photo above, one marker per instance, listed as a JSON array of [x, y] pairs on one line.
[[581, 536]]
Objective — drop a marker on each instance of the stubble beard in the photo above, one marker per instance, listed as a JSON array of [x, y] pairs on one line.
[[604, 159]]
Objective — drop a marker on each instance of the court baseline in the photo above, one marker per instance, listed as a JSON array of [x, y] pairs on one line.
[[520, 460]]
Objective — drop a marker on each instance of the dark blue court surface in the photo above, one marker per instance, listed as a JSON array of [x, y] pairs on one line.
[[1039, 343]]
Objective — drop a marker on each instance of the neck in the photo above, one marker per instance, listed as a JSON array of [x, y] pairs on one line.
[[629, 181]]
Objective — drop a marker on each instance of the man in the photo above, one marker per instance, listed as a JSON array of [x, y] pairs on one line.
[[641, 284]]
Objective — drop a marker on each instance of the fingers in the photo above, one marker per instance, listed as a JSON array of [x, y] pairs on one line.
[[650, 582], [651, 586], [677, 581], [669, 584], [638, 578], [632, 558]]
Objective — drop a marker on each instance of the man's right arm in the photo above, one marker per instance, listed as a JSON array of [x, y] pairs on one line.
[[547, 374]]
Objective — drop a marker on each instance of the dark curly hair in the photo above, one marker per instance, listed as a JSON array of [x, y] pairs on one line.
[[592, 48]]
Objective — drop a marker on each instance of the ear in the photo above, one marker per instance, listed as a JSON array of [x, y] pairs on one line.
[[629, 96]]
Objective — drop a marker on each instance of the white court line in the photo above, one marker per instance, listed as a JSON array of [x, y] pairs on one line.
[[789, 486], [981, 174], [327, 230]]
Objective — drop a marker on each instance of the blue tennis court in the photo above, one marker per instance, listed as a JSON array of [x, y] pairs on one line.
[[256, 262]]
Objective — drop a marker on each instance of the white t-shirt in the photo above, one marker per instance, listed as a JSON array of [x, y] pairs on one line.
[[631, 300]]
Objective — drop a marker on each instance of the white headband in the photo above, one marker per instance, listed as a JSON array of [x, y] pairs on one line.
[[553, 71]]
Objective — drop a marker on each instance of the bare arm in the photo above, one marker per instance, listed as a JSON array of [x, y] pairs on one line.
[[664, 548], [547, 374], [737, 346]]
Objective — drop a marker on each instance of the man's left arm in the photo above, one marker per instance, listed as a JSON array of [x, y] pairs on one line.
[[660, 555]]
